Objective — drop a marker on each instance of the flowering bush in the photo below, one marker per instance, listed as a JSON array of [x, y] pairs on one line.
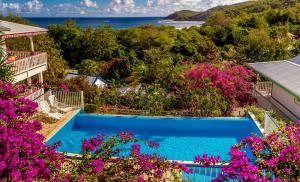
[[23, 155], [233, 82], [277, 157], [206, 160], [103, 159], [60, 87]]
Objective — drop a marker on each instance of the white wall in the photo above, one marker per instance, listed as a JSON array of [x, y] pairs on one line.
[[101, 84], [286, 99]]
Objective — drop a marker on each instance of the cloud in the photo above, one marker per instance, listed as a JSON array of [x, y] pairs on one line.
[[67, 9], [32, 6], [89, 3], [150, 3], [122, 6], [11, 6], [112, 8], [27, 8]]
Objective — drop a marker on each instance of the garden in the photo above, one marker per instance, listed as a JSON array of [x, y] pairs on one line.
[[198, 71], [24, 156]]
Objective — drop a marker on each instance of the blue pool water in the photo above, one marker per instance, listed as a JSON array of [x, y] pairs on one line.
[[179, 138]]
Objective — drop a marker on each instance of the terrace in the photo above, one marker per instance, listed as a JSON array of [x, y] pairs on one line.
[[25, 64]]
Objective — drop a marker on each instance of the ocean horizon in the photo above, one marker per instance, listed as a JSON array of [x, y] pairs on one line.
[[115, 22]]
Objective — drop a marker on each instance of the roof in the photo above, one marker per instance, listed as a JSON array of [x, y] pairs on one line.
[[10, 30], [285, 73], [91, 79], [295, 60]]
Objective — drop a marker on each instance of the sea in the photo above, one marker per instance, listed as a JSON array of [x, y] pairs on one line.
[[115, 22]]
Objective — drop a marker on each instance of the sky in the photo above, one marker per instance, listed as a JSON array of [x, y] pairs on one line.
[[104, 8]]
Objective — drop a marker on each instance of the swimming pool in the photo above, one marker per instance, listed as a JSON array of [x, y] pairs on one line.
[[179, 138]]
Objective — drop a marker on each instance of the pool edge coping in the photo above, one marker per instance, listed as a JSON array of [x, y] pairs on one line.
[[61, 124], [170, 116], [79, 156], [258, 125]]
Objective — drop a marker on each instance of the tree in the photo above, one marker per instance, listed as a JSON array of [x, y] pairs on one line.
[[257, 46], [69, 40], [57, 65], [88, 67], [99, 44]]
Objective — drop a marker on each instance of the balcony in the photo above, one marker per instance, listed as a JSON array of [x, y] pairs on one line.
[[26, 64]]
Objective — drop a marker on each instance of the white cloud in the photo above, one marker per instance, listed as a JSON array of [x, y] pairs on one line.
[[33, 6], [82, 12], [13, 6], [10, 7], [89, 3], [150, 3], [114, 8], [67, 9], [122, 6]]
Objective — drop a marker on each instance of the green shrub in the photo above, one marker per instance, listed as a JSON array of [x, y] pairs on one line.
[[258, 112], [90, 108], [260, 116]]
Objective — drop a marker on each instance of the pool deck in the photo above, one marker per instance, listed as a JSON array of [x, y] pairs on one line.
[[50, 129]]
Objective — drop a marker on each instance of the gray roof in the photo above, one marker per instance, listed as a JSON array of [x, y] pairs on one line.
[[295, 60], [91, 79], [10, 29], [284, 73]]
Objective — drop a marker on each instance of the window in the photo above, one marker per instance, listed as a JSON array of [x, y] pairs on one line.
[[297, 101]]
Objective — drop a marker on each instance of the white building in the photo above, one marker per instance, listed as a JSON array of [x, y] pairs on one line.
[[25, 64], [93, 80], [282, 93]]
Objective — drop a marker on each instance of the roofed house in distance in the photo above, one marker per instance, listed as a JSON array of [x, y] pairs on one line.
[[93, 80], [25, 64], [282, 92]]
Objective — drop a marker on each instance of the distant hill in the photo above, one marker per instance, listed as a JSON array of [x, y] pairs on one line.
[[182, 15], [231, 10]]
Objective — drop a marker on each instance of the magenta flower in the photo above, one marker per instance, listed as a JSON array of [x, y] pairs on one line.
[[64, 87], [153, 144], [135, 150], [98, 165], [206, 160], [125, 135]]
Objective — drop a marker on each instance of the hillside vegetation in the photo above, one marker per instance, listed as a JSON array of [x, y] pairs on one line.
[[158, 58], [232, 10]]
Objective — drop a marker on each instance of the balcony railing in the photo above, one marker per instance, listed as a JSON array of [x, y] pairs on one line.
[[264, 88], [24, 61], [64, 99], [34, 93]]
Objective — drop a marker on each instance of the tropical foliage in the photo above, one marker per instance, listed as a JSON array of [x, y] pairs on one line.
[[24, 156], [5, 69], [249, 32], [233, 82], [277, 158]]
